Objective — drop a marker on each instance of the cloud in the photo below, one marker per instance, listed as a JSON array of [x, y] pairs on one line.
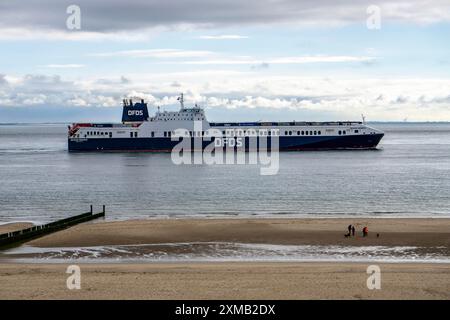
[[224, 37], [203, 57], [3, 79], [48, 17], [260, 66], [62, 66], [282, 60], [246, 94], [155, 53]]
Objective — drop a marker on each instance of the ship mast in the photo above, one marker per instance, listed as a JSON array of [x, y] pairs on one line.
[[181, 99]]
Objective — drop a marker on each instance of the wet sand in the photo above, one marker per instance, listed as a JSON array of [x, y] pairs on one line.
[[393, 232], [10, 227], [226, 281]]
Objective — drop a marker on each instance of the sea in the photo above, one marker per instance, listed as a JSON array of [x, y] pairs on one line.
[[407, 176]]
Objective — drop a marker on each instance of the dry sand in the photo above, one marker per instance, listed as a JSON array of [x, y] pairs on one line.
[[226, 281]]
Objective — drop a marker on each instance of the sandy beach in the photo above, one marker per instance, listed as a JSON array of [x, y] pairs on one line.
[[9, 227], [235, 280], [399, 232], [225, 281]]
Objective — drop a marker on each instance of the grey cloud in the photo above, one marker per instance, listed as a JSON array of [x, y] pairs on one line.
[[124, 80], [260, 66], [401, 99], [118, 15], [176, 84], [3, 80]]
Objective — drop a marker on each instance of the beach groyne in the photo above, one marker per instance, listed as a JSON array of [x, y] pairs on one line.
[[17, 237]]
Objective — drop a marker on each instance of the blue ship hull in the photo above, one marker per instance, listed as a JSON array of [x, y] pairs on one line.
[[285, 143]]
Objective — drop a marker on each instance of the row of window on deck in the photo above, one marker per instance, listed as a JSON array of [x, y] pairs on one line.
[[260, 132], [229, 133]]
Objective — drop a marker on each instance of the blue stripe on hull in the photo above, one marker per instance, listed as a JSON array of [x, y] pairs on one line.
[[285, 143]]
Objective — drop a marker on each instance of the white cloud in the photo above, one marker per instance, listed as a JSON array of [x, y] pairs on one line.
[[62, 66], [247, 93], [224, 37], [35, 33], [155, 53], [282, 60]]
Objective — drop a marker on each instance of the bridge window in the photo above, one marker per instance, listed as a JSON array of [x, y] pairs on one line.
[[169, 133], [303, 133], [306, 132], [153, 134], [340, 132], [298, 133], [356, 131], [131, 134], [343, 132], [319, 132], [110, 134], [310, 133], [135, 134], [315, 132]]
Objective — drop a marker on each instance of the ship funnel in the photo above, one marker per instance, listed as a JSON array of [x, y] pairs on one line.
[[137, 112]]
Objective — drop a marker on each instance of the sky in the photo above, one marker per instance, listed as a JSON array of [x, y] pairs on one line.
[[269, 60]]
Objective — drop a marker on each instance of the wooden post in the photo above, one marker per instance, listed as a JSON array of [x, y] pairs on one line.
[[92, 209], [104, 209]]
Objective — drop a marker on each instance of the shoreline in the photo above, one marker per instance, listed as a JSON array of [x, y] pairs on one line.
[[392, 232]]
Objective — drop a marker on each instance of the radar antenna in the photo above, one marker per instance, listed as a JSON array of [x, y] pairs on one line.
[[363, 118]]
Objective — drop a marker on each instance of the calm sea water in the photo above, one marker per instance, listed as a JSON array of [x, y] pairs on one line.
[[408, 176]]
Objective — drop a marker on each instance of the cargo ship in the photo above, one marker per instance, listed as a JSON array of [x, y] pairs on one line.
[[141, 132]]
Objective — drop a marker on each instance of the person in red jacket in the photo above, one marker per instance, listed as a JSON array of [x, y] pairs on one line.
[[365, 232]]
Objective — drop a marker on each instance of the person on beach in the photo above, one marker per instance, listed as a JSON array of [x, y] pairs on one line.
[[365, 232], [353, 231]]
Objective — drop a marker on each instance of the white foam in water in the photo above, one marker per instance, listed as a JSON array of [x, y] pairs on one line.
[[215, 251]]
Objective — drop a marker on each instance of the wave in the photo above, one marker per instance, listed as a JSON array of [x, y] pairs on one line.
[[230, 252]]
